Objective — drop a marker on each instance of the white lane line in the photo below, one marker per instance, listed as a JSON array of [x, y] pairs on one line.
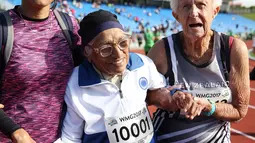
[[241, 133], [252, 107]]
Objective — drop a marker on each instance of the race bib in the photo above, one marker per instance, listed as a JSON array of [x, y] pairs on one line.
[[216, 95], [131, 128]]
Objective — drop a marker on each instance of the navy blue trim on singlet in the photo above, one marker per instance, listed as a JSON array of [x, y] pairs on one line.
[[169, 74], [225, 55]]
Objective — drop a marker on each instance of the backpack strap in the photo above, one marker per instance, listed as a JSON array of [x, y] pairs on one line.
[[66, 25], [226, 44], [7, 37], [169, 74], [2, 45], [2, 20]]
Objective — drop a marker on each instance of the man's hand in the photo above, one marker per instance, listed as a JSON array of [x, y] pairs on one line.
[[1, 106], [21, 136]]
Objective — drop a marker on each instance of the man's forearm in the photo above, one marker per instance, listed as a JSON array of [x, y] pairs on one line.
[[7, 125]]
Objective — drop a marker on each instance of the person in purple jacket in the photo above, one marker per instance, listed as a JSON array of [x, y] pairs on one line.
[[35, 78]]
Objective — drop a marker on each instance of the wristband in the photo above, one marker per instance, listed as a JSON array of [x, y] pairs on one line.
[[210, 113], [174, 90]]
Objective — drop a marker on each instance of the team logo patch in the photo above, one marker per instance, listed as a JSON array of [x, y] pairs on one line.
[[225, 93], [144, 111], [143, 82]]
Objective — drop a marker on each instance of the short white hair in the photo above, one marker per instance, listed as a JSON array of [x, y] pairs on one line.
[[174, 4]]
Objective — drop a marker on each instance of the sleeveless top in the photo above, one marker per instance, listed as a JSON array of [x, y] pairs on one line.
[[204, 81]]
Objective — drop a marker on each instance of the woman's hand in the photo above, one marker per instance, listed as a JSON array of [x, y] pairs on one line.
[[207, 107]]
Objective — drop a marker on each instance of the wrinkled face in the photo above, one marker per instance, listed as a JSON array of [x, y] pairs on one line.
[[38, 3], [111, 51], [196, 16]]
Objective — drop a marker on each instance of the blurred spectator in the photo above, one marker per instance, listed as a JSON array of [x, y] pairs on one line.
[[123, 10], [140, 40], [129, 15], [149, 14], [136, 19], [117, 10], [77, 3], [149, 40], [164, 28], [128, 30], [80, 17], [156, 33], [157, 10], [96, 3], [72, 11]]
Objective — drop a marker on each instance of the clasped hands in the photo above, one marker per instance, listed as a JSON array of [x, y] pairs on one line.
[[184, 101]]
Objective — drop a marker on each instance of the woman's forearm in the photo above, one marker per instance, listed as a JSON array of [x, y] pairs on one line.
[[228, 112]]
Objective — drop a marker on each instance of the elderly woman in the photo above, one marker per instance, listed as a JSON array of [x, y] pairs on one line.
[[211, 66], [106, 95]]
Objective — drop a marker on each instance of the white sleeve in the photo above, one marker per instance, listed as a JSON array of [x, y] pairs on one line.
[[157, 80], [73, 125]]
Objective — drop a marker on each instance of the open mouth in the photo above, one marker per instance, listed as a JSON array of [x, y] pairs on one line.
[[196, 25]]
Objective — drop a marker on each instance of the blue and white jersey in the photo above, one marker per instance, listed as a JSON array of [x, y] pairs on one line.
[[95, 106]]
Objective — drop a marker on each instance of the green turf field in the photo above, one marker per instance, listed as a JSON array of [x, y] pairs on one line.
[[249, 15]]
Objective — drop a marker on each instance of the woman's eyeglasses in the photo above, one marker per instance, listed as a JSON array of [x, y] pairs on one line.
[[106, 49]]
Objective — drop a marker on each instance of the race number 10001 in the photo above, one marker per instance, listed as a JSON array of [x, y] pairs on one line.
[[134, 130], [131, 127]]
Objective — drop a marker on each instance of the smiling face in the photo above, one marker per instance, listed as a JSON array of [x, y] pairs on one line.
[[196, 17], [110, 52]]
